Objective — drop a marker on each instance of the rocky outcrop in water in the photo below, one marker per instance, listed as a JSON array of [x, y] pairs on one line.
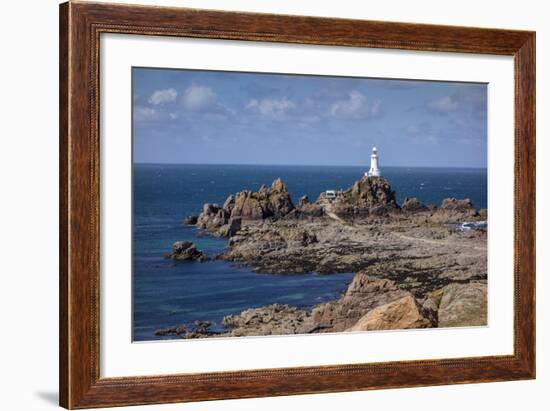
[[212, 217], [273, 202], [186, 251], [266, 203]]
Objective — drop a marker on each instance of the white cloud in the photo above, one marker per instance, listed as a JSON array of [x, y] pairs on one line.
[[197, 98], [271, 107], [163, 96], [444, 104], [356, 106], [145, 114]]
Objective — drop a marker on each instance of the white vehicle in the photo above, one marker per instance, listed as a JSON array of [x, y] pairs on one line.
[[330, 194]]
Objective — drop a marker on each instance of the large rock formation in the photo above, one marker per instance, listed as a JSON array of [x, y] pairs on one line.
[[371, 192], [186, 251], [225, 221], [401, 314], [213, 217], [368, 196], [265, 203], [459, 305], [362, 296]]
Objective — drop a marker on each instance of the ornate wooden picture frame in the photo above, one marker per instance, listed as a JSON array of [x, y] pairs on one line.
[[81, 25]]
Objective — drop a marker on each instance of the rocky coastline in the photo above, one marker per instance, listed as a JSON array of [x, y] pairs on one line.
[[416, 265]]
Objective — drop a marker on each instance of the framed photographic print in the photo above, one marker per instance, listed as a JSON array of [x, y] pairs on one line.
[[259, 205]]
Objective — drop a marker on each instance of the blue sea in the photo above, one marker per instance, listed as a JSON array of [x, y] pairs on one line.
[[168, 293]]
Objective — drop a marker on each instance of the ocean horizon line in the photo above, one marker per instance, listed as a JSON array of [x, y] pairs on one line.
[[302, 165]]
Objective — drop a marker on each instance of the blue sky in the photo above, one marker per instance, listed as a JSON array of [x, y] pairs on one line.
[[213, 117]]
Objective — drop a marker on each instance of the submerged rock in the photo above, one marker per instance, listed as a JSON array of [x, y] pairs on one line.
[[186, 251]]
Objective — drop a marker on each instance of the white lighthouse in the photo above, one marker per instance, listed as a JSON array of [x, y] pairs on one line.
[[374, 171]]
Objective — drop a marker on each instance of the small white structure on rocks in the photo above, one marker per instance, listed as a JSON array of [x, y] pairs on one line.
[[374, 171], [330, 194]]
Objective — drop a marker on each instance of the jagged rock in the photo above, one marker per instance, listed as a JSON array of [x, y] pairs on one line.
[[413, 205], [229, 203], [186, 251], [249, 206], [231, 228], [266, 202], [397, 315], [455, 204], [191, 220], [212, 217], [273, 202], [304, 200], [368, 196], [371, 192], [362, 295]]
